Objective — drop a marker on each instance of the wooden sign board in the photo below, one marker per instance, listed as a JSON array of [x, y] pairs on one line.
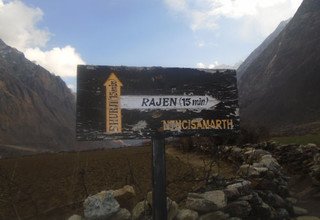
[[136, 102]]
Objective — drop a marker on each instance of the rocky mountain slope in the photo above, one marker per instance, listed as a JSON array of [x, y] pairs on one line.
[[280, 89], [36, 108], [256, 53]]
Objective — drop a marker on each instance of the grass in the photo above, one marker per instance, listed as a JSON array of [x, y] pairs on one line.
[[305, 139]]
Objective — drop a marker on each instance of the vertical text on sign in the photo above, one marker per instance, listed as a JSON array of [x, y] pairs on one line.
[[113, 109]]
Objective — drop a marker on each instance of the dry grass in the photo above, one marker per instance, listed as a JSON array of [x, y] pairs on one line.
[[53, 186]]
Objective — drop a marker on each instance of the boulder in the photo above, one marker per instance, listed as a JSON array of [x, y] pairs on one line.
[[75, 217], [122, 214], [265, 211], [243, 187], [239, 209], [291, 200], [206, 202], [247, 170], [172, 206], [254, 155], [235, 155], [125, 196], [149, 198], [142, 211], [231, 193], [218, 197], [306, 217], [315, 170], [100, 206], [299, 211], [275, 200], [283, 214], [269, 162], [218, 215], [186, 214], [200, 204], [311, 145]]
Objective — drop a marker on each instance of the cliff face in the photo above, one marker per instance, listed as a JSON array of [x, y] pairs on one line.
[[36, 108], [281, 88], [257, 52]]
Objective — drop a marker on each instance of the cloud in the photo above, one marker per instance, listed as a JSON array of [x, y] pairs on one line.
[[216, 65], [18, 24], [19, 28], [58, 60], [260, 16], [201, 65], [213, 65]]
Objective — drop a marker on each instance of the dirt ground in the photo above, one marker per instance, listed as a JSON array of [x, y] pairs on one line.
[[53, 186]]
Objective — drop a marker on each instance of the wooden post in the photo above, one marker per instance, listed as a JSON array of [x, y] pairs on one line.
[[159, 196]]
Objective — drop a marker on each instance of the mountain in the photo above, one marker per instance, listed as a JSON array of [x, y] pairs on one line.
[[256, 53], [37, 109], [280, 89]]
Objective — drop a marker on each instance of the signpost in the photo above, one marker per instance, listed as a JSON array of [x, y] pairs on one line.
[[154, 102]]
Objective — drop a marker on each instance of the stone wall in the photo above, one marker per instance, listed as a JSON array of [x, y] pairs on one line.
[[259, 192]]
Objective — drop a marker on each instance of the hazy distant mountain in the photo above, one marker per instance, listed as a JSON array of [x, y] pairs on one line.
[[280, 89], [36, 108], [256, 53]]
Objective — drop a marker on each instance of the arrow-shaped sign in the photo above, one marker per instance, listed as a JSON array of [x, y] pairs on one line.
[[115, 102], [168, 102], [113, 107]]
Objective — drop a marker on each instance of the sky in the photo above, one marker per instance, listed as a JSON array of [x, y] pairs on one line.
[[60, 34]]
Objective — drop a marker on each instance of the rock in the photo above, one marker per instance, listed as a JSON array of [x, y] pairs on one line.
[[283, 214], [243, 187], [214, 215], [199, 204], [306, 217], [291, 200], [122, 214], [253, 155], [246, 198], [218, 197], [149, 198], [311, 145], [275, 200], [186, 214], [235, 155], [206, 202], [236, 150], [269, 162], [315, 170], [100, 206], [247, 170], [239, 209], [75, 217], [172, 206], [265, 211], [173, 209], [125, 196], [256, 200], [299, 211], [259, 208], [264, 184], [231, 193], [141, 211], [316, 158]]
